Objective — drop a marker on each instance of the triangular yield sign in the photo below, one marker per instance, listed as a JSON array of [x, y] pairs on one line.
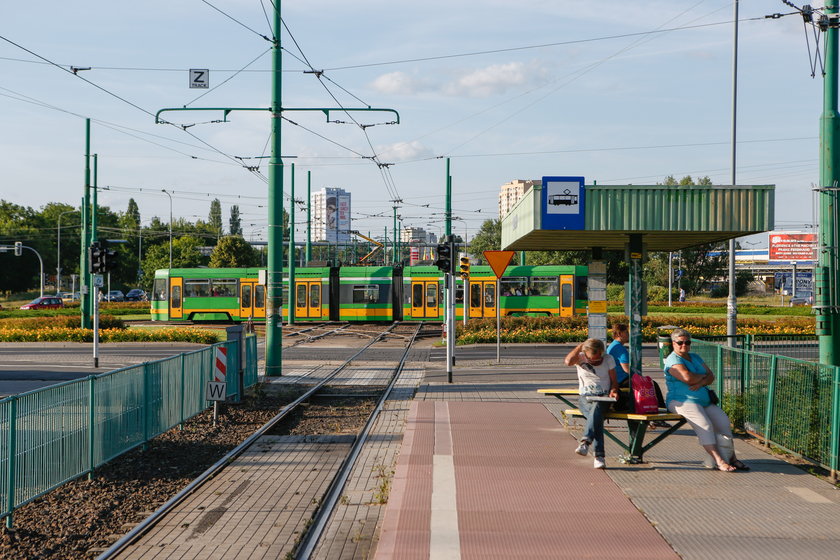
[[498, 261]]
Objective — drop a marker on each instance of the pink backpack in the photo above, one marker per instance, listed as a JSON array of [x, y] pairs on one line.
[[644, 396]]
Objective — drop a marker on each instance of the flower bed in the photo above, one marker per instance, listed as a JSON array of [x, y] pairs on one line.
[[67, 321], [67, 334], [574, 329]]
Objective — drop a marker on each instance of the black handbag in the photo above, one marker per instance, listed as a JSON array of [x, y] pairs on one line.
[[713, 398]]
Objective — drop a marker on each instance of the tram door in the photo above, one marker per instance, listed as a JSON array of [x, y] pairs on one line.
[[176, 298], [308, 299], [567, 295], [251, 300], [482, 299], [425, 303]]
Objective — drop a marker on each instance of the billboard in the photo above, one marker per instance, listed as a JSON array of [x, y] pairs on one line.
[[792, 246]]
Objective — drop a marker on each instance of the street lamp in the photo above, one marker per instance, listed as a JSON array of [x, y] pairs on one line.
[[170, 225], [58, 252]]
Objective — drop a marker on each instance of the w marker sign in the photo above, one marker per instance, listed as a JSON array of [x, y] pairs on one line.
[[217, 389]]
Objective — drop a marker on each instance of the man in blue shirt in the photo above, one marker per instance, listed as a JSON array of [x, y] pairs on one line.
[[618, 350]]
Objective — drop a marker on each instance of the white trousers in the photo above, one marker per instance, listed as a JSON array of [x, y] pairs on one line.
[[706, 420]]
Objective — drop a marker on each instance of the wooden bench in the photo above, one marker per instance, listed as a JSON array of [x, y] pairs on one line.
[[637, 424]]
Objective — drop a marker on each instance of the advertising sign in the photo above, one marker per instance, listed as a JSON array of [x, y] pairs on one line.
[[563, 201], [343, 212], [792, 246]]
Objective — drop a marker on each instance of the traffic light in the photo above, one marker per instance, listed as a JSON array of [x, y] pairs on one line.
[[444, 256], [97, 258], [18, 248], [465, 266], [110, 258]]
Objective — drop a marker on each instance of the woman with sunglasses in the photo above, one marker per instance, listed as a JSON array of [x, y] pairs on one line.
[[687, 377], [596, 378]]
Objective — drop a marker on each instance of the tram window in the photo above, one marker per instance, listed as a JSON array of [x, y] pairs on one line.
[[259, 296], [489, 295], [224, 287], [566, 295], [543, 286], [246, 296], [315, 295], [176, 296], [284, 294], [581, 287], [417, 294], [159, 291], [513, 286], [475, 295], [196, 288], [459, 295], [301, 295], [366, 294], [431, 295]]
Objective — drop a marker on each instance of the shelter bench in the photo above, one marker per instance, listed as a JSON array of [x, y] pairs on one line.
[[637, 425]]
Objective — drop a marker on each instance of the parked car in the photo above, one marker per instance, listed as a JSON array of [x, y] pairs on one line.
[[46, 302], [114, 295], [136, 295]]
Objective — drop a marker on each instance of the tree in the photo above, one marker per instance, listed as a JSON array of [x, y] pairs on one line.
[[185, 254], [215, 219], [488, 238], [235, 221], [233, 251]]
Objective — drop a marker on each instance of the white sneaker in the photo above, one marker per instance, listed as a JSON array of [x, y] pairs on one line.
[[600, 463], [582, 448]]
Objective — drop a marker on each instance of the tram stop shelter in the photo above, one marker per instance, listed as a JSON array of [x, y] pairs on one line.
[[562, 213]]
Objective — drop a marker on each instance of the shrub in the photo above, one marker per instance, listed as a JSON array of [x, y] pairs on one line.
[[64, 334]]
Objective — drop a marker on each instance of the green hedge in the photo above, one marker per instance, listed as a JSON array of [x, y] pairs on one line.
[[63, 334]]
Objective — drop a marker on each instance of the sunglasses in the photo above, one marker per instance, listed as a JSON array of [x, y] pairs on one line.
[[682, 342]]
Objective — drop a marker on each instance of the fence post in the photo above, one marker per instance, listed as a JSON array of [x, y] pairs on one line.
[[771, 402], [835, 424], [719, 369], [146, 404], [91, 423], [10, 473], [183, 396]]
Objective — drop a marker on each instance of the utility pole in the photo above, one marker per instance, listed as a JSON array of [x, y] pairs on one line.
[[274, 269], [94, 234], [292, 299], [731, 301], [828, 286], [84, 263], [308, 217]]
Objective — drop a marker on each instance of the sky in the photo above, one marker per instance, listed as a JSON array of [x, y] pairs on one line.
[[617, 92]]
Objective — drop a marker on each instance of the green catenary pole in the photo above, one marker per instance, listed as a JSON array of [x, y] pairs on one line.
[[828, 318], [394, 255], [274, 298], [84, 258], [94, 222], [308, 217], [448, 211], [292, 298]]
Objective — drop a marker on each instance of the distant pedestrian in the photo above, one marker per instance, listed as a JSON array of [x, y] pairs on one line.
[[682, 295]]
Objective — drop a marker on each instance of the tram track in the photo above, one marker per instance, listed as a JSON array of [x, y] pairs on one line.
[[332, 496]]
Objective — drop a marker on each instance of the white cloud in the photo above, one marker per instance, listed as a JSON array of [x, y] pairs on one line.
[[397, 83], [494, 80], [404, 151]]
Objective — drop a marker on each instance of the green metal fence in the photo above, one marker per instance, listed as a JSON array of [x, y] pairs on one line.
[[800, 346], [790, 403], [55, 434]]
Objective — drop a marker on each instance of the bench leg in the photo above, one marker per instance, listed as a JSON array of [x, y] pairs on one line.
[[637, 430]]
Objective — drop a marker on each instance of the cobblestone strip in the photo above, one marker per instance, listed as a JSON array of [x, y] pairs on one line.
[[352, 532]]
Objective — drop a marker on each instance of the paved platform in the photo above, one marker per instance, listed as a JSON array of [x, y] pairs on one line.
[[489, 471]]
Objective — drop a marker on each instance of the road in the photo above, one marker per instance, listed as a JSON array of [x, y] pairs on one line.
[[28, 366]]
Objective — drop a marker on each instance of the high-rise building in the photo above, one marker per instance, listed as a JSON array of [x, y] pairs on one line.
[[331, 215], [511, 193]]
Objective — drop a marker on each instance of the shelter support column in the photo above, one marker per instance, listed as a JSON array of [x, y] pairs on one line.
[[635, 290]]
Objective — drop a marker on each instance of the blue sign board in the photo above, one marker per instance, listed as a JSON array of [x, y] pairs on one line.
[[563, 203]]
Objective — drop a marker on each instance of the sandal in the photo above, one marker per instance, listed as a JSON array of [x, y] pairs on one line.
[[739, 466], [725, 468]]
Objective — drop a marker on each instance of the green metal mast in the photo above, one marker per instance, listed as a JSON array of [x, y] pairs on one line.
[[291, 291], [84, 259], [274, 276], [828, 287], [308, 217]]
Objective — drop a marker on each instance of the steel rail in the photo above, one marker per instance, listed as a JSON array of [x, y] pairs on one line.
[[144, 526], [333, 494]]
